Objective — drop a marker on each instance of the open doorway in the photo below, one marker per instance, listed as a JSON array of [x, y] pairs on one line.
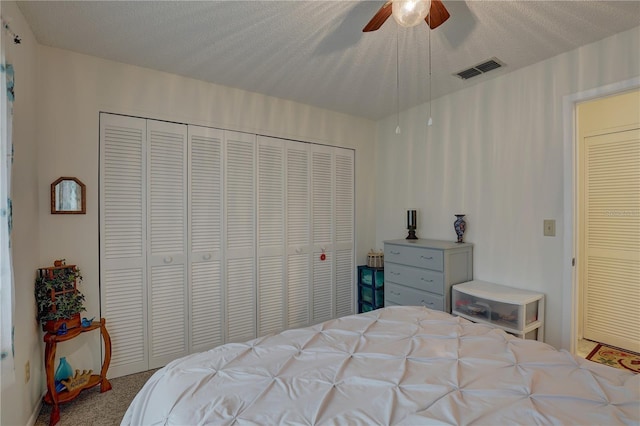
[[607, 222], [570, 294]]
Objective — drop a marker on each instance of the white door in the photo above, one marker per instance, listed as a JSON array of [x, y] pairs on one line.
[[271, 235], [298, 234], [322, 231], [608, 219], [205, 238], [212, 236], [344, 232], [240, 236], [123, 236], [167, 246]]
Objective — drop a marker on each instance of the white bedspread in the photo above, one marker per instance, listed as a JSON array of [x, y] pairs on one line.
[[398, 365]]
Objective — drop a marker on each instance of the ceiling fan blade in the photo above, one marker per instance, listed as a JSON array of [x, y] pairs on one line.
[[379, 18], [437, 14]]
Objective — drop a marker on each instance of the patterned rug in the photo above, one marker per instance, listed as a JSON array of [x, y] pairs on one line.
[[615, 357]]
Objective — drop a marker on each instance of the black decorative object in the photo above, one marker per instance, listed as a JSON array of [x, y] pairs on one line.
[[460, 226], [412, 224]]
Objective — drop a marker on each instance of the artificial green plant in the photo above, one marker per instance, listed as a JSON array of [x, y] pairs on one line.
[[67, 302]]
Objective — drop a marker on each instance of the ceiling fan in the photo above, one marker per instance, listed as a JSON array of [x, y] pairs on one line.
[[409, 13]]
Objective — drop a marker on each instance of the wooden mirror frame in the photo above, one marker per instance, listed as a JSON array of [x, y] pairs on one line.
[[83, 197]]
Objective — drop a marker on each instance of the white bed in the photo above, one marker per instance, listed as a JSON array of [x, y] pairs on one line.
[[397, 365]]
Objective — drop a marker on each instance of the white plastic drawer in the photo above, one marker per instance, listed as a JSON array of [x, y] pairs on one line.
[[421, 279], [508, 315], [407, 296], [414, 256]]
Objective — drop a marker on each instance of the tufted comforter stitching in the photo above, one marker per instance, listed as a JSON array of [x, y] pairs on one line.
[[399, 365]]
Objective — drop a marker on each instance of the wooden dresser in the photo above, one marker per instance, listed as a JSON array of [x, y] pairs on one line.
[[421, 272]]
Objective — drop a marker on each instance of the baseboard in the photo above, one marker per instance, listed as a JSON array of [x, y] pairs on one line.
[[36, 411]]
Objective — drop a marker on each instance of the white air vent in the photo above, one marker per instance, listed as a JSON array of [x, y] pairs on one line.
[[482, 68]]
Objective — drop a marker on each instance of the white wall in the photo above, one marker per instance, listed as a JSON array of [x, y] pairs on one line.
[[495, 153], [74, 88], [19, 402], [59, 97]]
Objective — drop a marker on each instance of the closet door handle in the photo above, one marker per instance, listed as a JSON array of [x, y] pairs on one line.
[[168, 259], [298, 251], [206, 256]]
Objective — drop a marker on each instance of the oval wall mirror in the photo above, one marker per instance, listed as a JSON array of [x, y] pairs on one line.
[[68, 196]]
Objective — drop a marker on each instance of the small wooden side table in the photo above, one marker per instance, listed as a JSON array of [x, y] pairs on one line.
[[55, 398]]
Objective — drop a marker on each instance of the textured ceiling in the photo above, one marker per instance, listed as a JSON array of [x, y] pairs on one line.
[[315, 52]]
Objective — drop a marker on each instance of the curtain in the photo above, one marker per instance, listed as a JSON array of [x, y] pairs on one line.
[[6, 270]]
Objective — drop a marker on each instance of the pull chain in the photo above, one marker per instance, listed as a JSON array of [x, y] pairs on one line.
[[397, 80], [430, 121]]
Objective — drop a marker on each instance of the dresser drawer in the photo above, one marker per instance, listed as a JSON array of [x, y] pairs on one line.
[[421, 279], [414, 256], [401, 295]]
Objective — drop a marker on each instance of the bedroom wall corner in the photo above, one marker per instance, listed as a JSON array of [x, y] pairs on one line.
[[21, 401], [496, 153], [75, 88]]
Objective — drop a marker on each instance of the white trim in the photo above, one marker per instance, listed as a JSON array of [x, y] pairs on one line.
[[36, 411], [569, 288]]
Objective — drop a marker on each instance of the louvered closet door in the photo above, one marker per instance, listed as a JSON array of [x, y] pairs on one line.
[[240, 236], [122, 241], [344, 235], [167, 246], [298, 234], [322, 231], [612, 238], [271, 235], [205, 238]]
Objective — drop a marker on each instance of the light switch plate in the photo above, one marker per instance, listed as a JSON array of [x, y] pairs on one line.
[[549, 228]]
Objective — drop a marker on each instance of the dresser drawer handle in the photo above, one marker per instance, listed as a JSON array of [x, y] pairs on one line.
[[394, 273], [395, 293], [425, 280], [425, 304], [394, 252], [426, 258]]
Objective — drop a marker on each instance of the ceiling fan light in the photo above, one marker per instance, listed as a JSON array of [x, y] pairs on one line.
[[409, 13]]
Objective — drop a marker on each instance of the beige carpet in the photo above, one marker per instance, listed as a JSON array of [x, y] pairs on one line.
[[94, 408]]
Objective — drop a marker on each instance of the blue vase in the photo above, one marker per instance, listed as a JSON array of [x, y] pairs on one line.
[[460, 226], [64, 370]]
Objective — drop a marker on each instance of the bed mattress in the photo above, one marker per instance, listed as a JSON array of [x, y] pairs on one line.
[[397, 365]]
